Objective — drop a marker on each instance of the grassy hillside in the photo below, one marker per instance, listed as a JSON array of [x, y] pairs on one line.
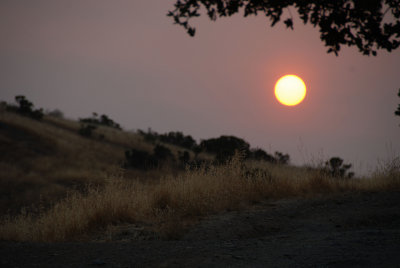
[[41, 160], [71, 186]]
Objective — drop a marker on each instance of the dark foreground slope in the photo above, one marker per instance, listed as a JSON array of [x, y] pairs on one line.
[[352, 230]]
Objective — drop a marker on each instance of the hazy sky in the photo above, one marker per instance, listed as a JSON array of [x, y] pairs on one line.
[[126, 59]]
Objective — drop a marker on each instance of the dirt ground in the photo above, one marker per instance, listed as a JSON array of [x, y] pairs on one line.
[[346, 230]]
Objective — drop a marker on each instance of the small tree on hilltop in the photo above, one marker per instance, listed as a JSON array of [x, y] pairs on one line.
[[26, 108], [397, 112]]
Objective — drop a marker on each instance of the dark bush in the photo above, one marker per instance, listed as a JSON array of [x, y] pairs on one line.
[[149, 136], [335, 168], [179, 139], [174, 137], [281, 158], [145, 161], [162, 153], [261, 155], [225, 147], [397, 112], [139, 159], [197, 149], [86, 130], [26, 108], [104, 120], [184, 158]]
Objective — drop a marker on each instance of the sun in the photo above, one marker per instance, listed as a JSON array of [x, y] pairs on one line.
[[290, 90]]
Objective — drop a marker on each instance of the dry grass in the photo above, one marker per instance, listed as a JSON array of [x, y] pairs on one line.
[[73, 186], [42, 160], [174, 201]]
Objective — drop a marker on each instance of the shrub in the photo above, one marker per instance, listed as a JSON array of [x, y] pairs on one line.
[[104, 120], [179, 139], [143, 160], [281, 158], [197, 149], [397, 112], [260, 154], [26, 108], [335, 168], [225, 147], [184, 158], [139, 159], [86, 130], [149, 136], [174, 137], [162, 153]]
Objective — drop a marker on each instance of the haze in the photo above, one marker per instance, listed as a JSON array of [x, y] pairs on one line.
[[126, 59]]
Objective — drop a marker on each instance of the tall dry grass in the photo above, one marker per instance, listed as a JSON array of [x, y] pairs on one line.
[[172, 202]]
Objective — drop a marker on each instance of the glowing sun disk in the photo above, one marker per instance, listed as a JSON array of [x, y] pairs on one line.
[[290, 90]]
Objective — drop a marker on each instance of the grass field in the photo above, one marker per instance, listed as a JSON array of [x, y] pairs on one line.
[[58, 186]]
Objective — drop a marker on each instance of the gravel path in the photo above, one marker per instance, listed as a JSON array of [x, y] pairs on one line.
[[351, 230]]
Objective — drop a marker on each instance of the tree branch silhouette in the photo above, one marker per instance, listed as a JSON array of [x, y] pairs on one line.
[[358, 23]]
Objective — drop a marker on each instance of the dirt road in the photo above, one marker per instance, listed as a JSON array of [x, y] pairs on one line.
[[347, 230]]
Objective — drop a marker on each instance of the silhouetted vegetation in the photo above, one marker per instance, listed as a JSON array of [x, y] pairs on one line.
[[184, 158], [261, 155], [225, 147], [281, 158], [139, 159], [179, 139], [197, 150], [86, 130], [162, 153], [145, 161], [174, 137], [149, 136], [363, 24], [397, 112], [103, 120], [335, 168], [25, 108], [49, 161]]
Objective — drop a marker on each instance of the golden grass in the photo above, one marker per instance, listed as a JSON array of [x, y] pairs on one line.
[[73, 186], [173, 201], [43, 160]]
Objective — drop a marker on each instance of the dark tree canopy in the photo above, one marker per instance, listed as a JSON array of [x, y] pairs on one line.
[[367, 24], [397, 112]]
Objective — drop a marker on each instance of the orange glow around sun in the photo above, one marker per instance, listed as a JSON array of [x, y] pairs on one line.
[[290, 90]]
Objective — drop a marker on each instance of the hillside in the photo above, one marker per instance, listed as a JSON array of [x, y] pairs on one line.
[[42, 160], [60, 184]]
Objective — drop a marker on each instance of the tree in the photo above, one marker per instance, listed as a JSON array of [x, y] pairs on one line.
[[260, 154], [397, 112], [336, 168], [225, 147], [104, 120], [367, 24], [26, 108], [282, 158]]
